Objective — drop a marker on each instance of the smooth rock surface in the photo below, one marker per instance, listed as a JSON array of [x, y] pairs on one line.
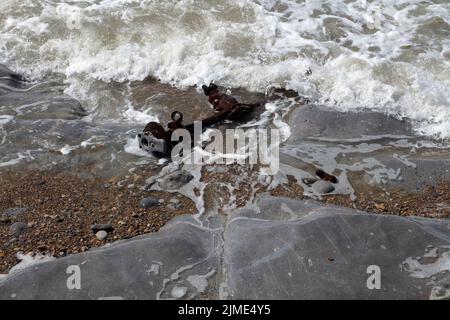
[[364, 150], [126, 268], [26, 100], [321, 122], [283, 248], [310, 251]]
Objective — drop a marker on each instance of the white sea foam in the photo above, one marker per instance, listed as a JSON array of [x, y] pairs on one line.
[[20, 157], [132, 147], [142, 117], [4, 119], [26, 261], [391, 56], [436, 270], [66, 149]]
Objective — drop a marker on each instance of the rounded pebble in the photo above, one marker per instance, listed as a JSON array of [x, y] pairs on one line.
[[101, 235], [18, 228], [323, 186], [149, 202], [105, 227]]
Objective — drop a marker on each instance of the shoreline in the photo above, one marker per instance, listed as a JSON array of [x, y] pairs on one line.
[[59, 208]]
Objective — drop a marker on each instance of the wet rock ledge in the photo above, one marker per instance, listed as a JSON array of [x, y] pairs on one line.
[[283, 248]]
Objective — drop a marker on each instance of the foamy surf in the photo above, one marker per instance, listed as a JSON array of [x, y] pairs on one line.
[[389, 56]]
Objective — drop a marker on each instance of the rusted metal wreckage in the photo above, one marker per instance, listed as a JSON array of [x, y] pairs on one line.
[[157, 140]]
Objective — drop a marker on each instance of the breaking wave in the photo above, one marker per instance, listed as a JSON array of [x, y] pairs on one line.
[[390, 56]]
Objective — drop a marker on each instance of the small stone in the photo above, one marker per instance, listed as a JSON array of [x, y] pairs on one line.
[[309, 181], [178, 292], [5, 219], [13, 214], [113, 180], [175, 180], [323, 187], [18, 228], [101, 235], [14, 211], [174, 203], [40, 183], [149, 202], [121, 223], [380, 206], [161, 201], [102, 227]]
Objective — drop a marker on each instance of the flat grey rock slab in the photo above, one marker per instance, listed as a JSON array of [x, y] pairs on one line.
[[280, 249], [321, 122], [27, 100], [421, 171], [42, 103], [326, 253], [157, 266]]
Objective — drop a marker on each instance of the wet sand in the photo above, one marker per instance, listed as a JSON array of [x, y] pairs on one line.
[[60, 209], [431, 201]]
